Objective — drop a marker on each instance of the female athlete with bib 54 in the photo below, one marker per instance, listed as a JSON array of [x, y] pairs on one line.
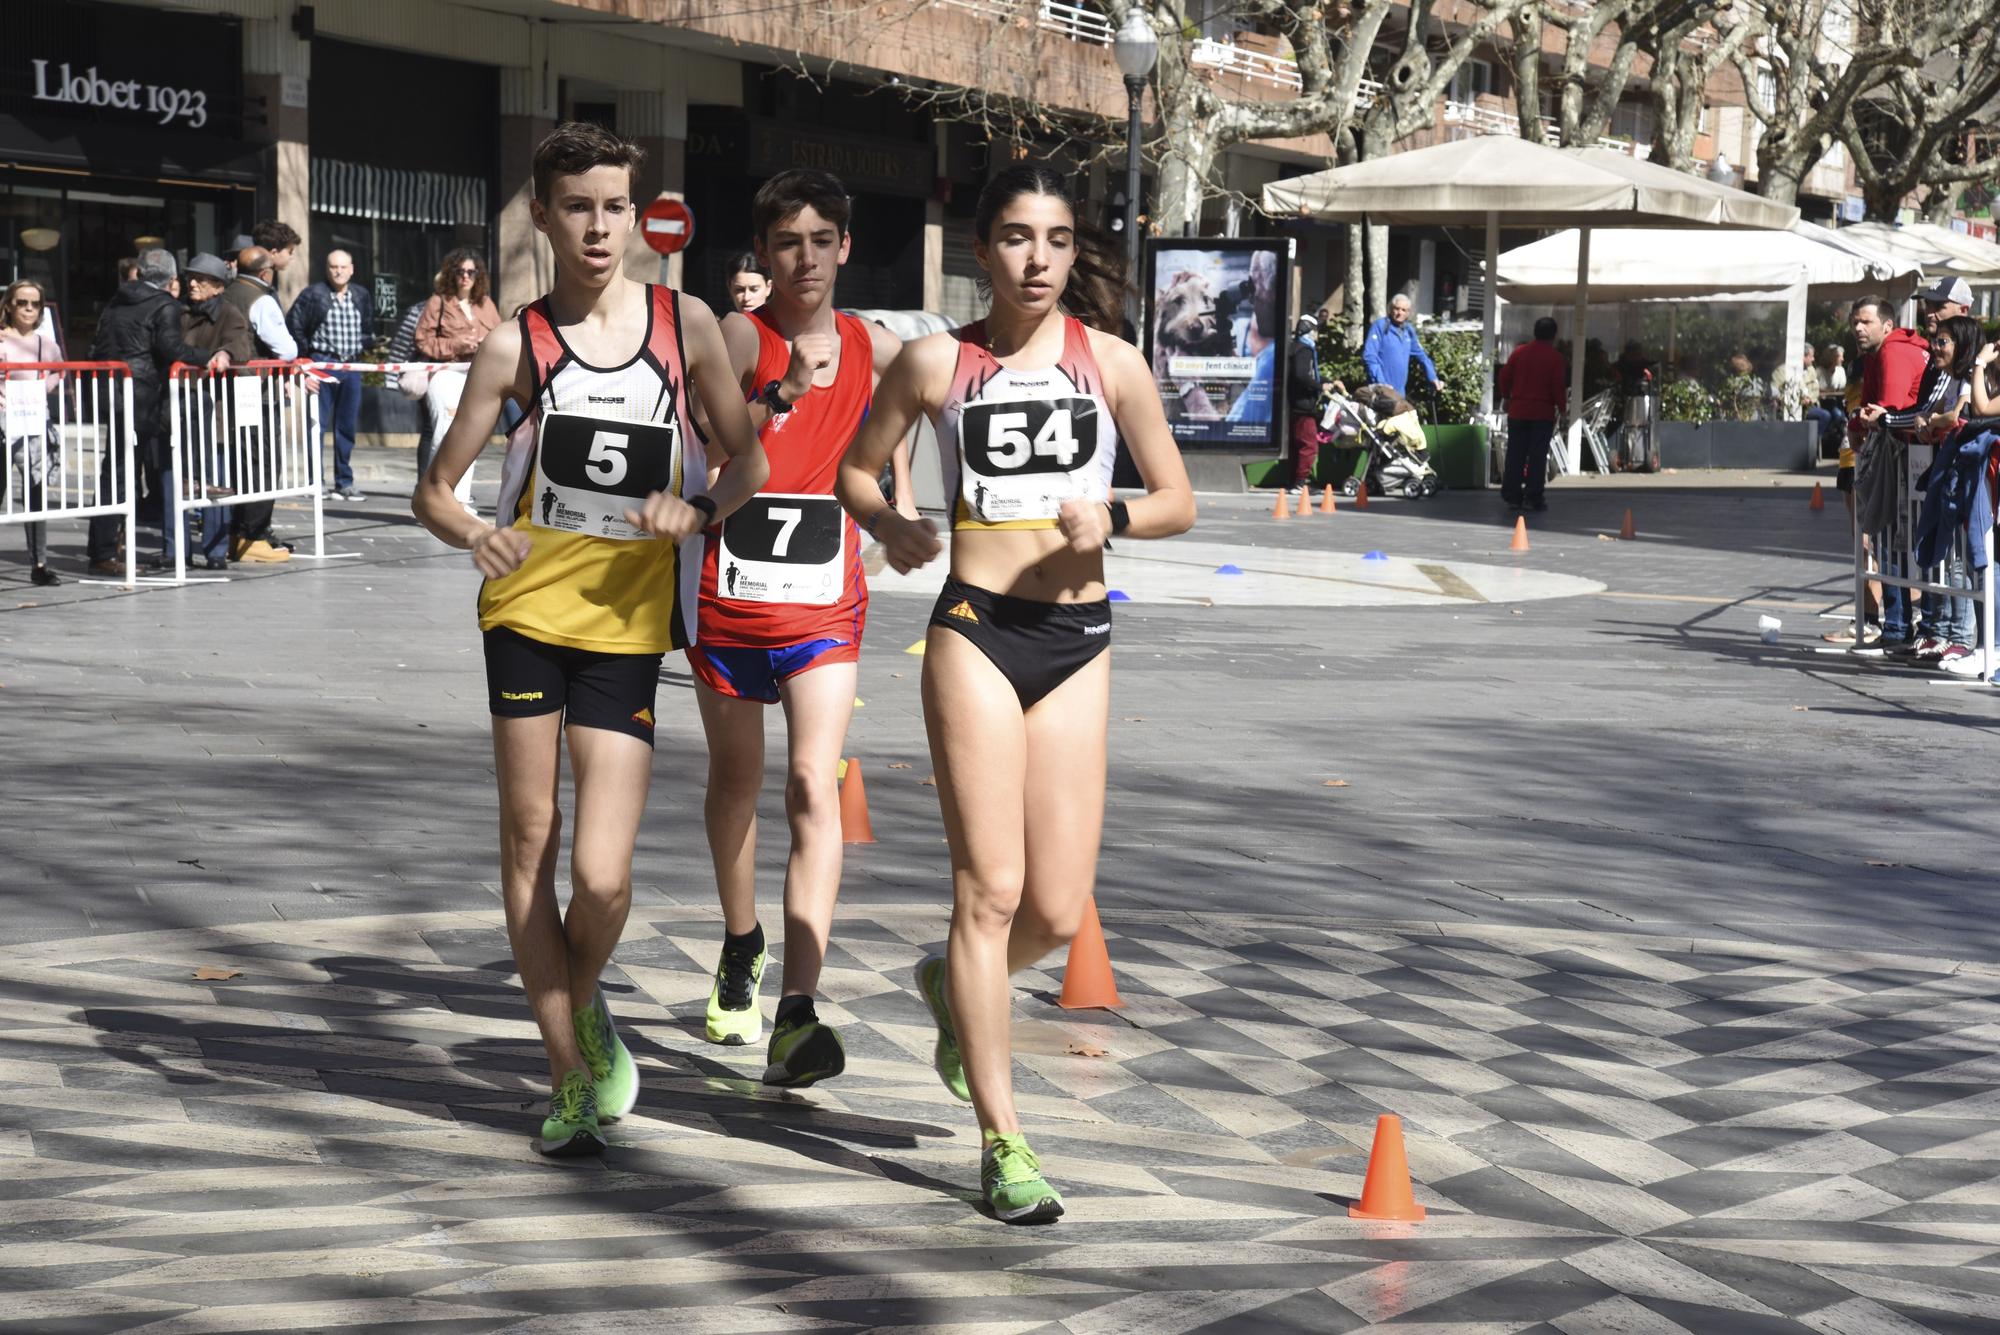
[[587, 586], [1029, 405]]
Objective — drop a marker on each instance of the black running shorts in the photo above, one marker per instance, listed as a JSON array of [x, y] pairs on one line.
[[526, 677], [1037, 646]]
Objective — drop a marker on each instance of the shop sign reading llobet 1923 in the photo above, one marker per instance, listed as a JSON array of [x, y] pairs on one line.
[[90, 89]]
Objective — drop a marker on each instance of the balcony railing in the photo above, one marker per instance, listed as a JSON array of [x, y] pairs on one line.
[[1073, 22]]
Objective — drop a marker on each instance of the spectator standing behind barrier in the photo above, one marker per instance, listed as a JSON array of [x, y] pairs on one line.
[[1302, 387], [331, 322], [1943, 300], [142, 328], [749, 286], [1824, 406], [1892, 372], [251, 292], [31, 449], [1941, 399], [1389, 346], [209, 323], [1532, 386], [280, 242], [456, 320]]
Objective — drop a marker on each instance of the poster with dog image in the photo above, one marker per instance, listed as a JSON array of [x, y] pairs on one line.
[[1216, 334]]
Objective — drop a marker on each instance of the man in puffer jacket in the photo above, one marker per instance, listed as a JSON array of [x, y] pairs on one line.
[[142, 328]]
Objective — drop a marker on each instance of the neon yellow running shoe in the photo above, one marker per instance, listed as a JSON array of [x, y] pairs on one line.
[[612, 1070], [733, 1015], [1012, 1178], [950, 1068], [571, 1129]]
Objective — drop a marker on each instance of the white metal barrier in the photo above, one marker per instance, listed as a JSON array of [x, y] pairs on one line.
[[247, 434], [71, 447], [1898, 541]]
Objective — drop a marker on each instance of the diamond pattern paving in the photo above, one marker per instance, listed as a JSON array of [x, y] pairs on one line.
[[1611, 1133]]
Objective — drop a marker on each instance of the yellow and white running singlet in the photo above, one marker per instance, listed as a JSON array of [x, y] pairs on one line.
[[600, 440]]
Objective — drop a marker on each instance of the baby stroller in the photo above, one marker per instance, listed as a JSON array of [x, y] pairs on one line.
[[1385, 425]]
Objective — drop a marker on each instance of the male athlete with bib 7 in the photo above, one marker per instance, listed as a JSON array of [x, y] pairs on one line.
[[1029, 404], [783, 602], [590, 579]]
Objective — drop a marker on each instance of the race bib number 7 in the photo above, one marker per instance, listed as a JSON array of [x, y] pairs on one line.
[[1024, 458], [590, 470], [782, 549]]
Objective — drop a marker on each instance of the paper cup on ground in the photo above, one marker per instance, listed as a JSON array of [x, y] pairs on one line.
[[1768, 628]]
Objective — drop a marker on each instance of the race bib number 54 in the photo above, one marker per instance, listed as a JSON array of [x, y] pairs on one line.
[[590, 470], [1024, 458]]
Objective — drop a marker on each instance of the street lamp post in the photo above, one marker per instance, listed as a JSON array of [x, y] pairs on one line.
[[1136, 50]]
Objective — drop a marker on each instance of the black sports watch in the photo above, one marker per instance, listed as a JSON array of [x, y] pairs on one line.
[[705, 504], [772, 399]]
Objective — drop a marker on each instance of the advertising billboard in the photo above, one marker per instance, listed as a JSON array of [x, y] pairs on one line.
[[1215, 334]]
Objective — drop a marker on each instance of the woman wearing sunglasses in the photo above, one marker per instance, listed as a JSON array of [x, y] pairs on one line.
[[456, 320], [24, 400]]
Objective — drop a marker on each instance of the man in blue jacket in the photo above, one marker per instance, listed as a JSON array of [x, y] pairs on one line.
[[1390, 345]]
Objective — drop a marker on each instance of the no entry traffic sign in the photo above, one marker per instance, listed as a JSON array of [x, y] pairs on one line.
[[667, 225]]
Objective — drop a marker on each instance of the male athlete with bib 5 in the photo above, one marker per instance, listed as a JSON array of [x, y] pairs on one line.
[[590, 580], [783, 600]]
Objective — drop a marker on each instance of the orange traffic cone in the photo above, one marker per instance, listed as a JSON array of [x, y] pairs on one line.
[[1278, 510], [1818, 500], [1628, 533], [1087, 980], [1520, 542], [1385, 1192], [1361, 496], [1305, 501], [1326, 502], [854, 825]]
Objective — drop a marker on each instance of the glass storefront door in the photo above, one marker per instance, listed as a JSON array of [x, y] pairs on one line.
[[70, 231]]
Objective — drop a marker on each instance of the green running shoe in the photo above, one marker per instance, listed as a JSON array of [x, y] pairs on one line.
[[571, 1127], [804, 1052], [733, 1017], [950, 1069], [612, 1069], [1012, 1178]]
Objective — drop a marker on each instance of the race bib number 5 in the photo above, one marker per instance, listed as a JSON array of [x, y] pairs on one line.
[[1024, 458], [782, 549], [590, 470]]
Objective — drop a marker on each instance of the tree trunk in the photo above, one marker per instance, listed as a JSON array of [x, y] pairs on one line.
[[1184, 173], [1778, 178], [1528, 73], [1938, 205], [1378, 273], [1354, 306]]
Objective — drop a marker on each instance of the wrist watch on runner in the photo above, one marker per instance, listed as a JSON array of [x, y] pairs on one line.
[[772, 397]]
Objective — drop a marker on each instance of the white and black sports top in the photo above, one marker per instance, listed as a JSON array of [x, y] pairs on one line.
[[1017, 444]]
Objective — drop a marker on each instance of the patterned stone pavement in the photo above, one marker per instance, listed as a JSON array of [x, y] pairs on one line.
[[323, 1126]]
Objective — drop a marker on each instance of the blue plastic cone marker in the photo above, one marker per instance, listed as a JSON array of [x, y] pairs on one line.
[[1228, 570], [1376, 556], [1118, 596]]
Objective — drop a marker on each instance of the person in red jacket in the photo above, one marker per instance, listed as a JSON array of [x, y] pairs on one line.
[[1892, 376], [1531, 388]]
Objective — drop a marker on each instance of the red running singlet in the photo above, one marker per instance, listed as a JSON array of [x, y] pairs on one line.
[[786, 568]]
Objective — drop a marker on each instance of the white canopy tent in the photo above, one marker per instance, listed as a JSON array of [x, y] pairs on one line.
[[1492, 178], [1936, 248], [1805, 262]]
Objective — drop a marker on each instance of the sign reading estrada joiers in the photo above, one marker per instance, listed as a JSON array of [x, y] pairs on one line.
[[1215, 332]]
